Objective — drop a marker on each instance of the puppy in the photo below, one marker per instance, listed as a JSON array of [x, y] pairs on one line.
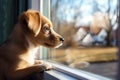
[[17, 53]]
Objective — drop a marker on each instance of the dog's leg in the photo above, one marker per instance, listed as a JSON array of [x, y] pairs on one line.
[[39, 62], [48, 66], [21, 73]]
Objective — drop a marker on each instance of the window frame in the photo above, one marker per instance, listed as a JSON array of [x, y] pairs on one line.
[[72, 73], [44, 7]]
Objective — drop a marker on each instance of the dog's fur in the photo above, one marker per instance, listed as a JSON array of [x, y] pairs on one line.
[[17, 53]]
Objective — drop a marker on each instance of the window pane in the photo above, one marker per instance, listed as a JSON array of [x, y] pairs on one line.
[[89, 28]]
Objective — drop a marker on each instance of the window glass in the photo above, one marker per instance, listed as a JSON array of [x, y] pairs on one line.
[[89, 28]]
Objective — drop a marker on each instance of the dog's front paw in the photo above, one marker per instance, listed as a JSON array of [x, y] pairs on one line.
[[44, 66], [48, 66], [38, 62]]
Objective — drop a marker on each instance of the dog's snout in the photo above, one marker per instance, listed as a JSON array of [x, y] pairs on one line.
[[62, 39]]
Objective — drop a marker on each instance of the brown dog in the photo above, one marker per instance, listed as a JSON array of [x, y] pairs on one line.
[[18, 52]]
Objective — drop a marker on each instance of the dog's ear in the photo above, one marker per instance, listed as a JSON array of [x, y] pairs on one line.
[[31, 20]]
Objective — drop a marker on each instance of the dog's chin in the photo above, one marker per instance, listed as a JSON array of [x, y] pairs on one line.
[[52, 46], [58, 45]]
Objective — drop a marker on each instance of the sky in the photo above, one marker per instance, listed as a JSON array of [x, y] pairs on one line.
[[84, 9]]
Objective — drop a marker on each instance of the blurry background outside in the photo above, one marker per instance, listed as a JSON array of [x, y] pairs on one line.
[[89, 28]]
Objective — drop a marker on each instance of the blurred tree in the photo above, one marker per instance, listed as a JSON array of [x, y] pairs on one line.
[[109, 37], [54, 9], [97, 6]]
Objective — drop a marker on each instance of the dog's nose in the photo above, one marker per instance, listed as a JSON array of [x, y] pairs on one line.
[[62, 39]]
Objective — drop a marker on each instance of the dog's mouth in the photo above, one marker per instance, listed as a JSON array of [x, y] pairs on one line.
[[52, 46]]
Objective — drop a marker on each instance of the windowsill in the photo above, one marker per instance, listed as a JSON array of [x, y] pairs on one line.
[[65, 73]]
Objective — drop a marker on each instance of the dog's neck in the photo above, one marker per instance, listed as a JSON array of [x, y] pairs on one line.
[[32, 48], [19, 37], [27, 49], [31, 52]]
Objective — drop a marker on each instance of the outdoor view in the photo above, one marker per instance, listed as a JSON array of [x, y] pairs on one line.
[[89, 28]]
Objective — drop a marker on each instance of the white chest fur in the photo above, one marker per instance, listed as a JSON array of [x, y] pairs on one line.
[[29, 56], [32, 53]]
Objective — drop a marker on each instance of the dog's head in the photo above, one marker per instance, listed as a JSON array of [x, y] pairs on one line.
[[39, 30]]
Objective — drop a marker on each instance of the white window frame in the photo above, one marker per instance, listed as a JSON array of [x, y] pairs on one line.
[[42, 6], [60, 72]]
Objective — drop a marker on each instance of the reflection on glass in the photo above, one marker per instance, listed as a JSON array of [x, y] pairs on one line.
[[89, 28]]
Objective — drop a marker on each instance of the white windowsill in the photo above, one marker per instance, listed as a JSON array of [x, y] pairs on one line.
[[62, 72]]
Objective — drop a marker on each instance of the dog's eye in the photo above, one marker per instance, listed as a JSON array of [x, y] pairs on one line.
[[46, 29]]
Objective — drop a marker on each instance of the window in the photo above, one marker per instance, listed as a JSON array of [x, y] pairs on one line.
[[44, 7], [89, 29]]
